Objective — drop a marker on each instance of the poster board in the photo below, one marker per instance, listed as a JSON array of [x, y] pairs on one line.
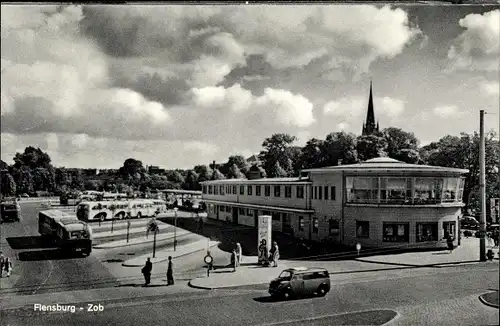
[[264, 233]]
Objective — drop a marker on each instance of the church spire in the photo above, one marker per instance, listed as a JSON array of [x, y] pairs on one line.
[[370, 126]]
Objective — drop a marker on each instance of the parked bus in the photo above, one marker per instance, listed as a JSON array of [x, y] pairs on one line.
[[184, 199], [47, 222], [74, 235], [10, 210], [160, 206], [102, 210], [141, 208]]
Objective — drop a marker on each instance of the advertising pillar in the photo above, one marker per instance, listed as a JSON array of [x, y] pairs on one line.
[[264, 238]]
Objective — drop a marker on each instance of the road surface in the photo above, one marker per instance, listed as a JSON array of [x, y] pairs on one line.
[[448, 296]]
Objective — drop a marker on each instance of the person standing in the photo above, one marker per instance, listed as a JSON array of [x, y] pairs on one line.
[[233, 260], [239, 254], [7, 266], [170, 272], [275, 254], [449, 242], [146, 270], [263, 258], [2, 261]]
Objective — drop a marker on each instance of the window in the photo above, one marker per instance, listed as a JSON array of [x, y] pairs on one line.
[[362, 189], [287, 223], [315, 196], [326, 192], [334, 226], [275, 216], [362, 229], [320, 192], [257, 190], [249, 212], [221, 190], [396, 232], [315, 225], [288, 191], [395, 190], [450, 186], [210, 190], [241, 211], [204, 189], [449, 228], [301, 223], [242, 189], [332, 193], [234, 190], [427, 232], [267, 191], [461, 185], [216, 190], [267, 213], [300, 191], [427, 191], [277, 191], [249, 190]]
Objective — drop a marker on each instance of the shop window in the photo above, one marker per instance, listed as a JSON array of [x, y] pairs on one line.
[[249, 190], [267, 191], [249, 212], [241, 211], [300, 191], [257, 190], [427, 232], [301, 223], [288, 191], [277, 191], [395, 232], [332, 193], [449, 228], [326, 192], [267, 213], [362, 229], [320, 192], [334, 226], [276, 216], [315, 225]]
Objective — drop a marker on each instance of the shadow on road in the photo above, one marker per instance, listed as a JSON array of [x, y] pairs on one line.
[[31, 242], [54, 254], [267, 299]]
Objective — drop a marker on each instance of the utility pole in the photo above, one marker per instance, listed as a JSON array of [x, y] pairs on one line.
[[482, 186]]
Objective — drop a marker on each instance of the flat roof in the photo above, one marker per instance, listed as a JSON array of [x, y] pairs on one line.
[[387, 164], [296, 180]]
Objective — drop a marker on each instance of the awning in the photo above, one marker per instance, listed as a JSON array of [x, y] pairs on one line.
[[262, 207]]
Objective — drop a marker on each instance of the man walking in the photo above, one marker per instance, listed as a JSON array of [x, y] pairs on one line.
[[2, 261], [146, 270], [170, 272], [275, 254]]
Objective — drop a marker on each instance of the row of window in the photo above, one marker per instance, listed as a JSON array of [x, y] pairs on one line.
[[232, 190], [400, 232], [318, 192], [404, 190]]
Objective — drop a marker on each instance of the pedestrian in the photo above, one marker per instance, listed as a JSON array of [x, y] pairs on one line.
[[449, 242], [233, 260], [146, 270], [263, 259], [7, 266], [200, 224], [275, 253], [2, 260], [239, 253], [495, 237], [170, 272]]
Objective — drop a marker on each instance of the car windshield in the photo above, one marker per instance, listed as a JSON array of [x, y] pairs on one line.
[[285, 275]]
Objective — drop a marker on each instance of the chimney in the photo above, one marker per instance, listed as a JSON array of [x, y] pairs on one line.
[[339, 162]]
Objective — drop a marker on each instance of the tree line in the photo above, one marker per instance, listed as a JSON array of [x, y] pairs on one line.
[[33, 171]]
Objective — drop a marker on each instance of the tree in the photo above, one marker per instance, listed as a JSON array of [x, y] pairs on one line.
[[311, 155], [235, 173], [24, 180], [277, 171], [3, 166], [401, 145], [33, 158], [204, 172], [77, 180], [43, 178], [132, 171], [276, 149], [370, 146], [191, 181], [9, 187], [175, 177], [61, 177], [91, 185], [217, 175], [238, 160], [339, 146]]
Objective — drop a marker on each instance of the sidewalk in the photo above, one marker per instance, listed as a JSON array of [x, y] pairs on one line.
[[134, 231], [161, 256], [118, 225], [141, 240]]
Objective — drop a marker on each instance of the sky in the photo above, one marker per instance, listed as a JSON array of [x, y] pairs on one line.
[[182, 85]]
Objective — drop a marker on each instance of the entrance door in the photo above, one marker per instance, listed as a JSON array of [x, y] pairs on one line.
[[217, 209], [256, 218], [235, 215]]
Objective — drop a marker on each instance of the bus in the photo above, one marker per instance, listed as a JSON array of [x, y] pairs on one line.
[[102, 210], [139, 208], [160, 206], [74, 235], [183, 199], [10, 210], [47, 222]]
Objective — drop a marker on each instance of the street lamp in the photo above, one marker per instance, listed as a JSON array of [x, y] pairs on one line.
[[175, 227]]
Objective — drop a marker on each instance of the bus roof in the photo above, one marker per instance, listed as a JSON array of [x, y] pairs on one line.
[[56, 214], [182, 192], [73, 225]]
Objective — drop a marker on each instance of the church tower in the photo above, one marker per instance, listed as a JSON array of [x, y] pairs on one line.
[[370, 127]]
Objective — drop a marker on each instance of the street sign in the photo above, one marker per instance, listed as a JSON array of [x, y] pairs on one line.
[[208, 259]]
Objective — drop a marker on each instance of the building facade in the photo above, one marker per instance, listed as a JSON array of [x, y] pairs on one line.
[[378, 203]]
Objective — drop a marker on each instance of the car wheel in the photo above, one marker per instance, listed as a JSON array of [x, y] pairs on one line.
[[287, 295], [121, 216], [101, 218], [321, 291]]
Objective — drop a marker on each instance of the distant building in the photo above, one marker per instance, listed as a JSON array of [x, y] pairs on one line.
[[370, 127], [254, 160], [153, 169], [381, 202]]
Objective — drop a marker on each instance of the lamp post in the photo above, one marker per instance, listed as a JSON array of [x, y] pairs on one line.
[[155, 226], [482, 187], [128, 229], [175, 228]]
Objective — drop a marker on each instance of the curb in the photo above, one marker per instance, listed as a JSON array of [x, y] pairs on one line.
[[159, 261], [199, 287], [137, 243], [486, 302]]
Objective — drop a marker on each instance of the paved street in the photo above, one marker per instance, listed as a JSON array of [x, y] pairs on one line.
[[449, 296]]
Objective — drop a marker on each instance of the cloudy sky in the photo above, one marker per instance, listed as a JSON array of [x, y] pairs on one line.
[[177, 86]]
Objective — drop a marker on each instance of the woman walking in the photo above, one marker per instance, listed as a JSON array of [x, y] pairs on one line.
[[170, 272], [239, 254]]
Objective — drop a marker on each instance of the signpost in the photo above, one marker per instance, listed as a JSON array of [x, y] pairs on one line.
[[358, 247], [128, 229], [264, 235], [175, 228], [153, 226], [209, 261]]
